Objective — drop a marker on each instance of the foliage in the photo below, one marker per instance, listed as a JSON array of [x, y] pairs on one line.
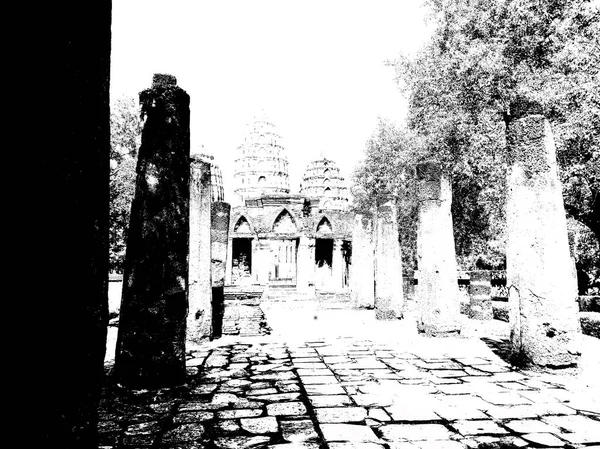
[[125, 135], [485, 60], [388, 170]]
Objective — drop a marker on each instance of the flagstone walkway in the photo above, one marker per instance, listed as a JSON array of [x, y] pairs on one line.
[[340, 379]]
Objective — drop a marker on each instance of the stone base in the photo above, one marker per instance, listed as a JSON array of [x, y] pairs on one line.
[[481, 311], [440, 329], [388, 315]]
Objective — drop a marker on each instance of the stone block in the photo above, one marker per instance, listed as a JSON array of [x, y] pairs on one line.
[[362, 277], [590, 323]]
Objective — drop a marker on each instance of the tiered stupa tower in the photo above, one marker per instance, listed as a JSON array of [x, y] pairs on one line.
[[322, 179], [261, 166]]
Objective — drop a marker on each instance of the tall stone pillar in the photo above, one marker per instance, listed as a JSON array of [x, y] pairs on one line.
[[389, 303], [337, 266], [199, 318], [362, 277], [437, 293], [306, 264], [151, 342], [219, 231], [542, 307], [480, 295]]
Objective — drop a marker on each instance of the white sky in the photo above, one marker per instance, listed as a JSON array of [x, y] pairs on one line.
[[315, 67]]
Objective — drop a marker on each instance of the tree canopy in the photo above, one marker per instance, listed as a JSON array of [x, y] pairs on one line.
[[125, 135]]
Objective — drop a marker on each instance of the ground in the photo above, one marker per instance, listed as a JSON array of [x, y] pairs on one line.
[[332, 377]]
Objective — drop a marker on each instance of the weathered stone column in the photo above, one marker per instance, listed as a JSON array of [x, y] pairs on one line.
[[542, 308], [199, 318], [363, 270], [480, 295], [437, 293], [151, 342], [337, 266], [389, 301], [219, 231], [306, 264]]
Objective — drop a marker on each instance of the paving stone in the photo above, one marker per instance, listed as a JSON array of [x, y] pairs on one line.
[[371, 400], [194, 406], [576, 423], [581, 438], [216, 360], [237, 382], [329, 400], [260, 385], [298, 431], [228, 425], [322, 380], [494, 441], [340, 414], [190, 417], [145, 428], [205, 389], [241, 442], [287, 386], [355, 446], [282, 375], [277, 397], [543, 439], [314, 372], [240, 413], [514, 412], [439, 444], [302, 445], [473, 361], [452, 413], [348, 432], [262, 391], [493, 368], [414, 432], [507, 398], [411, 412], [286, 409], [461, 388], [530, 426], [267, 424], [379, 414], [185, 432], [324, 389], [478, 427], [139, 440]]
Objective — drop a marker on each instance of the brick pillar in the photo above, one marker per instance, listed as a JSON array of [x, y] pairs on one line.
[[306, 264], [199, 318], [151, 342], [219, 233], [437, 293], [480, 295], [362, 281], [337, 266], [229, 261], [389, 302], [542, 307]]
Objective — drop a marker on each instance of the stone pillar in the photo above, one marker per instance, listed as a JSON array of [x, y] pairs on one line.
[[151, 342], [199, 317], [389, 303], [306, 264], [219, 236], [437, 293], [542, 308], [363, 271], [229, 265], [480, 295], [337, 266]]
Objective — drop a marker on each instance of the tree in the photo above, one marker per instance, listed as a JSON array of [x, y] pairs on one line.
[[125, 135], [487, 63]]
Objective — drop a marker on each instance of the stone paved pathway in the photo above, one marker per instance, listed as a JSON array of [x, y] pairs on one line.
[[320, 390]]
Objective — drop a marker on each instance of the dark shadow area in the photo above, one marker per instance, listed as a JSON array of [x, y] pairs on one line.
[[502, 349]]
